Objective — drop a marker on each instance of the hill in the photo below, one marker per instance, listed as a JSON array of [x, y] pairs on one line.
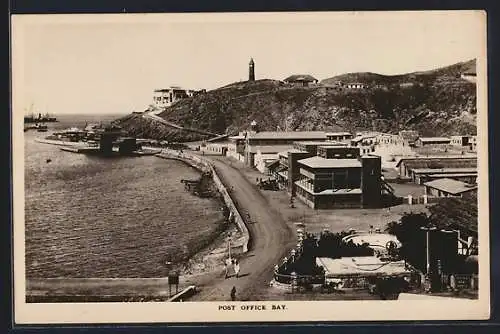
[[451, 74], [435, 103]]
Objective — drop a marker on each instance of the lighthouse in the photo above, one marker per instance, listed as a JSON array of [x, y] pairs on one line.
[[251, 70]]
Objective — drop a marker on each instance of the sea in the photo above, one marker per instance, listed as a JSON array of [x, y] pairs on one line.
[[88, 216]]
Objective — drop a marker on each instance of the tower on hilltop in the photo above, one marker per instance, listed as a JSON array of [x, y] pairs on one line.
[[251, 70]]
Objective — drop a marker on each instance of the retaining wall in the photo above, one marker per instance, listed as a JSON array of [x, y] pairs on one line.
[[201, 164]]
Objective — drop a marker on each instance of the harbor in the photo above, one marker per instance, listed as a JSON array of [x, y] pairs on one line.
[[104, 142]]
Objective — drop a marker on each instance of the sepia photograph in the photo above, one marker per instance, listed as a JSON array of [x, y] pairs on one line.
[[250, 167]]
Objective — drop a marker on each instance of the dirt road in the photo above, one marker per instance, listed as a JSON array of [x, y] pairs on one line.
[[271, 239]]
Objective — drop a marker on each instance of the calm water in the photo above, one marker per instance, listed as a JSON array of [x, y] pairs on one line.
[[119, 217]]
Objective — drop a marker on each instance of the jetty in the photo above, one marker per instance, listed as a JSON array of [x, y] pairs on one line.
[[74, 149], [97, 151], [49, 290], [200, 187]]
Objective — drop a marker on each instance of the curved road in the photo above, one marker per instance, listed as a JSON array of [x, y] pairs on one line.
[[271, 239]]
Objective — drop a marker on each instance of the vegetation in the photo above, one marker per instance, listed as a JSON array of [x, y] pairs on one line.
[[434, 103], [458, 214], [327, 245]]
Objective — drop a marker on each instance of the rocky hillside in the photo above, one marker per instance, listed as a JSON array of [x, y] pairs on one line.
[[434, 102]]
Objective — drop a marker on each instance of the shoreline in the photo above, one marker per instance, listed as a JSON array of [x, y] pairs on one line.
[[202, 165], [200, 266]]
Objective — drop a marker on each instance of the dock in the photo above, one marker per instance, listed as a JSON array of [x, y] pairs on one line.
[[80, 149], [51, 290]]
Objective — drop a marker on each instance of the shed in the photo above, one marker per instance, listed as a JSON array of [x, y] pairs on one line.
[[448, 187]]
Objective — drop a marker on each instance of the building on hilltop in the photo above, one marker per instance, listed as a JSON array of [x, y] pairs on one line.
[[303, 80], [251, 70], [355, 85], [350, 85], [166, 97]]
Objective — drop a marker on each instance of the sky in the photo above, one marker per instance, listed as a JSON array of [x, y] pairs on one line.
[[106, 64]]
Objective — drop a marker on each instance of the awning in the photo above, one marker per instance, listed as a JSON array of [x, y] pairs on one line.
[[272, 164], [281, 168]]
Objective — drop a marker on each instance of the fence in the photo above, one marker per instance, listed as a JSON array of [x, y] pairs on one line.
[[424, 199]]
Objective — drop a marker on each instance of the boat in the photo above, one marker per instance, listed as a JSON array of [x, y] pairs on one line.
[[41, 127], [40, 119]]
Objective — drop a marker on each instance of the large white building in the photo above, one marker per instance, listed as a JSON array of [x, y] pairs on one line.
[[165, 97]]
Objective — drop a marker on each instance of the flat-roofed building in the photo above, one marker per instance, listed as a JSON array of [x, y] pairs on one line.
[[165, 97], [449, 188], [287, 172], [389, 139], [338, 136], [312, 146], [336, 183], [406, 166], [426, 141], [422, 175], [276, 138], [236, 147], [464, 140], [264, 155], [473, 143], [217, 148], [409, 136], [336, 152], [366, 143], [356, 271]]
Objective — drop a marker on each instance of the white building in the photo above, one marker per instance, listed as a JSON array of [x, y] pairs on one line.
[[338, 136], [163, 98], [236, 147], [469, 76], [266, 155]]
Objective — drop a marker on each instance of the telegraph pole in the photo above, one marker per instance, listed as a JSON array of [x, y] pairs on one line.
[[427, 248]]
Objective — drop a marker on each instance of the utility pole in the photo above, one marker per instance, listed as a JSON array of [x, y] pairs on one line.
[[427, 248]]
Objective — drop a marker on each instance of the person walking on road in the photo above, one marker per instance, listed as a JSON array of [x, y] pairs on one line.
[[233, 293], [225, 270], [236, 268]]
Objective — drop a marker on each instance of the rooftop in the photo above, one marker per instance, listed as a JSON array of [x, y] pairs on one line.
[[338, 134], [330, 192], [292, 150], [319, 162], [450, 186], [289, 135], [375, 240], [336, 144], [320, 143], [436, 158], [424, 139], [236, 137], [267, 149], [445, 170], [363, 265]]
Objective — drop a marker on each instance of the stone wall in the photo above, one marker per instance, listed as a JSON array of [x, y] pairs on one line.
[[203, 165]]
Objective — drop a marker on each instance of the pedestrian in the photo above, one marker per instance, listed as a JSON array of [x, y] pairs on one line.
[[233, 293], [225, 270], [236, 268]]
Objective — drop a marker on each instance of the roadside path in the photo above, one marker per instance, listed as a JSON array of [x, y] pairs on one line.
[[271, 239]]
